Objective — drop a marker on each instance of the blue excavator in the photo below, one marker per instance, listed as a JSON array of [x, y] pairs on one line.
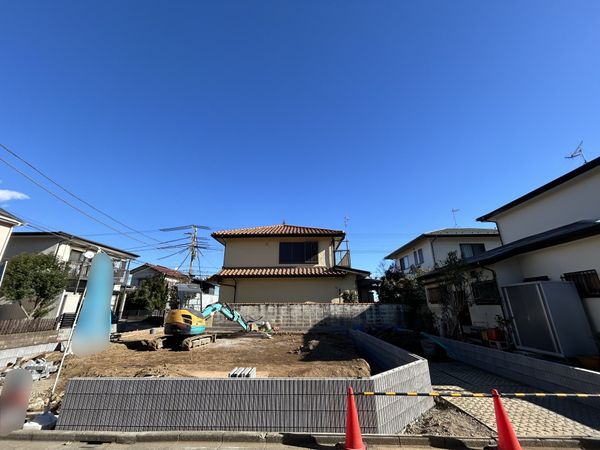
[[187, 326]]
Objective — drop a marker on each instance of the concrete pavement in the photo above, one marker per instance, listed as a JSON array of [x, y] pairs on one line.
[[542, 417]]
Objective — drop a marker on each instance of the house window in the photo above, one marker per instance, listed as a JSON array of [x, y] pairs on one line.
[[298, 252], [469, 250], [74, 264], [434, 295], [586, 282], [404, 263], [418, 257], [485, 293]]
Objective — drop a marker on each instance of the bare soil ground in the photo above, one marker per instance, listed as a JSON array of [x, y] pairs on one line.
[[285, 355], [446, 420]]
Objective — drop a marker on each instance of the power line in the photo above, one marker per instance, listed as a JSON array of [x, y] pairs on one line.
[[41, 186], [71, 193]]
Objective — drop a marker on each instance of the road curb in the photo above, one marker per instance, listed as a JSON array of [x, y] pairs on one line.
[[290, 438]]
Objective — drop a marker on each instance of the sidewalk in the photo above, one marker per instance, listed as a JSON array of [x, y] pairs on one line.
[[539, 417]]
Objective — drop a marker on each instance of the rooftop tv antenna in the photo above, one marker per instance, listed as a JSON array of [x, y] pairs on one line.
[[454, 211], [577, 153]]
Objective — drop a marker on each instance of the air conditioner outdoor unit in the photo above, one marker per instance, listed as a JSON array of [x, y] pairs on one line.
[[548, 317]]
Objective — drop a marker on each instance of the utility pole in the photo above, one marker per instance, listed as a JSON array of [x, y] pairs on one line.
[[193, 250]]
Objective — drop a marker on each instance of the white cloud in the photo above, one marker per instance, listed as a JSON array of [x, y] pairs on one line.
[[7, 195]]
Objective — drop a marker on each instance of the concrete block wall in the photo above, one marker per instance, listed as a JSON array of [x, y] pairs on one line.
[[404, 372], [10, 355], [546, 375], [255, 404], [320, 316], [27, 339]]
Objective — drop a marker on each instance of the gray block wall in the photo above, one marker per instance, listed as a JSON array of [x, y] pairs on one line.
[[404, 372], [320, 316], [545, 375], [259, 404]]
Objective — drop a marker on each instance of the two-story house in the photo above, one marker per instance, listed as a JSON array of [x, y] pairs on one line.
[[546, 271], [284, 264], [430, 249], [77, 253]]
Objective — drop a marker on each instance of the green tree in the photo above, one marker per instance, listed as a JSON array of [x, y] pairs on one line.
[[173, 298], [455, 292], [350, 296], [404, 288], [153, 293], [34, 281]]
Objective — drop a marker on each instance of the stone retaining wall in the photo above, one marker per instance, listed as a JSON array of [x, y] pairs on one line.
[[303, 317], [546, 375], [259, 404]]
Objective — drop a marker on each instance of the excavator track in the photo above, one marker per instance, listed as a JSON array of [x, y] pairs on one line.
[[193, 342]]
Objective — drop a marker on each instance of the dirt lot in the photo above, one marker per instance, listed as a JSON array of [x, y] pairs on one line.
[[285, 355], [446, 420]]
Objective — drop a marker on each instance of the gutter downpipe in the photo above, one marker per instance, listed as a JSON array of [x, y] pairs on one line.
[[432, 250], [495, 278]]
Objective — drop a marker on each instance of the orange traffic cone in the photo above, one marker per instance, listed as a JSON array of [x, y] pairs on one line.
[[507, 439], [353, 437]]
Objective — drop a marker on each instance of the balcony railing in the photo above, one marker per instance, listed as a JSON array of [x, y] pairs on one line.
[[79, 271], [342, 258]]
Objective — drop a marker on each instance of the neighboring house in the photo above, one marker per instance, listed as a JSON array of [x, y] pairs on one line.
[[285, 264], [432, 248], [195, 293], [145, 271], [551, 234], [7, 222], [71, 249]]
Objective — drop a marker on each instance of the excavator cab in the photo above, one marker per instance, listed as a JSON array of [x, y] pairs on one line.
[[184, 322]]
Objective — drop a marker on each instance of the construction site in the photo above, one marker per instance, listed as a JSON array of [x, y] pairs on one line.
[[289, 375]]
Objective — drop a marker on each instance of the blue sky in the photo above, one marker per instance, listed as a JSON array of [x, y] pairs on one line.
[[245, 113]]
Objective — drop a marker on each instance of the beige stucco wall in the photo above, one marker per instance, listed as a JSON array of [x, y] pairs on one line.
[[263, 252], [285, 290], [574, 200]]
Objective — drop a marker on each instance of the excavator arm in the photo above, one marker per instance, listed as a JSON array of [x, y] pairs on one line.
[[228, 312]]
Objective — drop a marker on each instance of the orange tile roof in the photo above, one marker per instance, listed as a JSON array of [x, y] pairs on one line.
[[281, 230], [246, 272]]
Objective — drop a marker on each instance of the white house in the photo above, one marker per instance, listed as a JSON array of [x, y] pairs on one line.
[[194, 292], [551, 243], [145, 271], [7, 223], [432, 248], [71, 249], [553, 232]]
